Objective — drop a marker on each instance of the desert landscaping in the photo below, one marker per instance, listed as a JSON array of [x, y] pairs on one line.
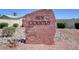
[[39, 30], [65, 39]]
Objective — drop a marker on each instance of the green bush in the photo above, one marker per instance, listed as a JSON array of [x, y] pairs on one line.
[[61, 25], [2, 25], [77, 25], [8, 31], [15, 25]]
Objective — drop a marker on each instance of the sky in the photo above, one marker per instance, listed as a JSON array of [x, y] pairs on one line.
[[66, 13], [59, 13]]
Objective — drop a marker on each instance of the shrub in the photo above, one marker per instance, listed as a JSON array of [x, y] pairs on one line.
[[8, 31], [61, 25], [15, 25], [2, 25], [77, 25]]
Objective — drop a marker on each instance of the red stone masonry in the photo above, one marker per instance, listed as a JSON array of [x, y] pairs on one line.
[[40, 27]]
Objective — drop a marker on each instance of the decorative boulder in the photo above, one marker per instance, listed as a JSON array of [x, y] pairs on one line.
[[40, 27]]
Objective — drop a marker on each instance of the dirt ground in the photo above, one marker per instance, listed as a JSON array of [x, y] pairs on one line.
[[65, 39]]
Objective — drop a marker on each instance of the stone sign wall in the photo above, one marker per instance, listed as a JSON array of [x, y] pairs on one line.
[[40, 27]]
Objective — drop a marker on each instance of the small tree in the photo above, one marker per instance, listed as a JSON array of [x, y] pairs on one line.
[[76, 25], [61, 25], [15, 25]]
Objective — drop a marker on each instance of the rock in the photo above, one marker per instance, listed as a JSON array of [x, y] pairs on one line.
[[40, 27]]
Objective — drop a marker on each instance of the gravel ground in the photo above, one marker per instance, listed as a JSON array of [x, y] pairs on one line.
[[65, 39]]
